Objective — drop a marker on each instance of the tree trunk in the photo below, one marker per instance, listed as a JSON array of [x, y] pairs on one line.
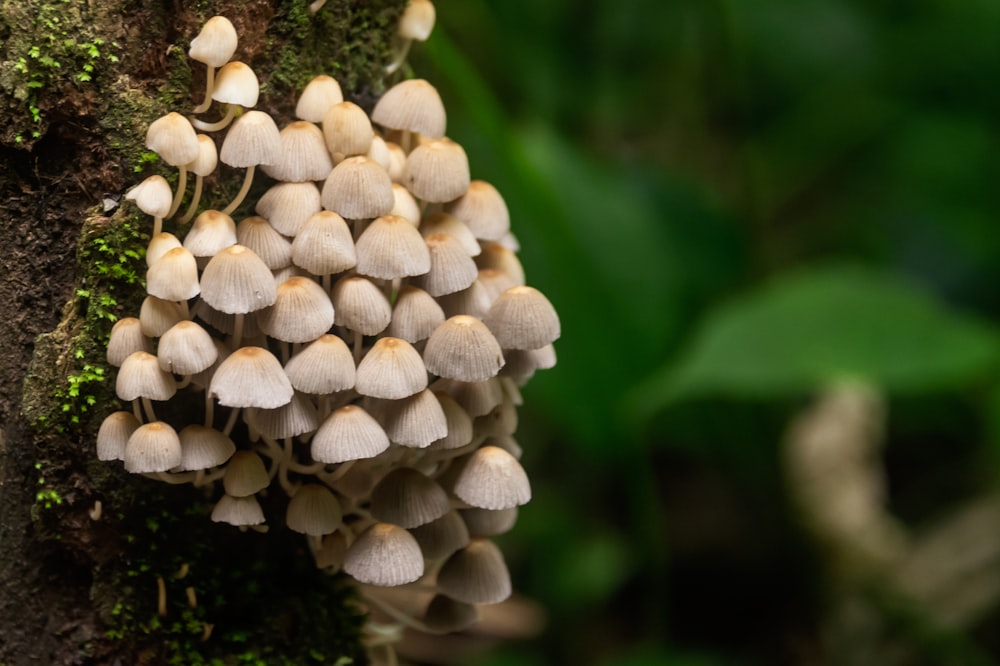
[[98, 566]]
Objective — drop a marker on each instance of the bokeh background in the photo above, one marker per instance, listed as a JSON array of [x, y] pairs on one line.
[[749, 214]]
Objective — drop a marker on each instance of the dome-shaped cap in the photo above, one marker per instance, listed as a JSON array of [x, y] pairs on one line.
[[211, 232], [303, 155], [215, 44], [437, 171], [159, 245], [174, 277], [245, 474], [348, 433], [391, 247], [522, 318], [463, 348], [153, 447], [483, 210], [446, 615], [324, 246], [113, 435], [253, 139], [301, 313], [360, 306], [158, 315], [140, 376], [503, 259], [314, 510], [204, 448], [417, 20], [358, 188], [415, 422], [347, 130], [459, 424], [317, 97], [391, 369], [237, 281], [492, 479], [208, 157], [441, 537], [415, 315], [236, 84], [325, 366], [443, 223], [287, 206], [153, 196], [238, 511], [251, 377], [186, 348], [412, 105], [173, 138], [126, 337], [452, 269], [407, 498], [384, 555], [263, 239], [476, 574], [405, 205], [487, 522], [296, 418], [476, 398]]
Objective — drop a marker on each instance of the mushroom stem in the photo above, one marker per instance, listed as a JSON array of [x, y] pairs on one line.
[[358, 341], [286, 460], [400, 47], [228, 210], [231, 421], [237, 330], [316, 6], [398, 615], [209, 86], [157, 225], [137, 410], [209, 410], [195, 199], [147, 406], [216, 126], [181, 186], [175, 477]]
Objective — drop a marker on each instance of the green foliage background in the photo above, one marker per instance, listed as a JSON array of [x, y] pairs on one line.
[[732, 203]]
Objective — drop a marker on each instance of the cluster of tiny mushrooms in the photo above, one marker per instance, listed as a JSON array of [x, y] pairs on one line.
[[361, 339]]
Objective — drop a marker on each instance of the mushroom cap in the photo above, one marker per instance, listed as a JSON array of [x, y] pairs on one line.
[[245, 474], [451, 270], [458, 421], [303, 155], [253, 139], [153, 196], [405, 205], [296, 418], [391, 369], [302, 312], [236, 83], [444, 223], [360, 306], [483, 210], [324, 246], [263, 239], [384, 555], [186, 348], [358, 189], [415, 315], [314, 510], [159, 245], [158, 315], [140, 376], [204, 448], [441, 537], [113, 435], [211, 232], [347, 130], [417, 20], [126, 337], [487, 522], [463, 348], [500, 258], [237, 281], [414, 422], [251, 377], [174, 277], [476, 398], [208, 157], [319, 95], [492, 479], [173, 138], [523, 318], [474, 301], [215, 44], [238, 511], [446, 615], [476, 574], [437, 171], [391, 247], [287, 206], [348, 433], [154, 447], [325, 366], [407, 498], [412, 105]]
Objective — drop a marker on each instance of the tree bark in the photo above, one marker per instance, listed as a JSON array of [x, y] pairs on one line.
[[79, 83]]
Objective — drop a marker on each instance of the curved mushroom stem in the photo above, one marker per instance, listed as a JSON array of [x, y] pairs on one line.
[[181, 186], [398, 615], [147, 406], [209, 86], [157, 225], [174, 477], [216, 126], [228, 210], [195, 199], [231, 421], [400, 48], [137, 410]]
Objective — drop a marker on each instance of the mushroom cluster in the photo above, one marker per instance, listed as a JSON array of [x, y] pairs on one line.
[[358, 343]]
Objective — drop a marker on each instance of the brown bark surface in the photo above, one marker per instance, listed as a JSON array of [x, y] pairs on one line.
[[79, 83]]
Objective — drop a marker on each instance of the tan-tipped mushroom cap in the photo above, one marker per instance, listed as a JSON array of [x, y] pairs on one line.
[[153, 447], [437, 171], [414, 422], [112, 437], [349, 433], [500, 258], [492, 479], [211, 232], [474, 301], [444, 223], [486, 522], [173, 138], [412, 105], [263, 239], [251, 377], [441, 537], [360, 306], [522, 318], [301, 313], [415, 315], [391, 247], [253, 139], [384, 555], [476, 574], [140, 376], [126, 338], [303, 154], [358, 189], [483, 210], [287, 206], [186, 348], [417, 20], [245, 474], [446, 615], [463, 348], [314, 510], [238, 511], [296, 418], [237, 281], [317, 97], [215, 44], [347, 130], [407, 498], [174, 277], [204, 448], [158, 315], [476, 398], [159, 245], [208, 157], [153, 196], [458, 421], [405, 205], [324, 246], [452, 269], [391, 369], [325, 366], [236, 83]]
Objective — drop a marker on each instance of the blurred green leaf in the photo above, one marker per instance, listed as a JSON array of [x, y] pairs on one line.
[[817, 326]]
